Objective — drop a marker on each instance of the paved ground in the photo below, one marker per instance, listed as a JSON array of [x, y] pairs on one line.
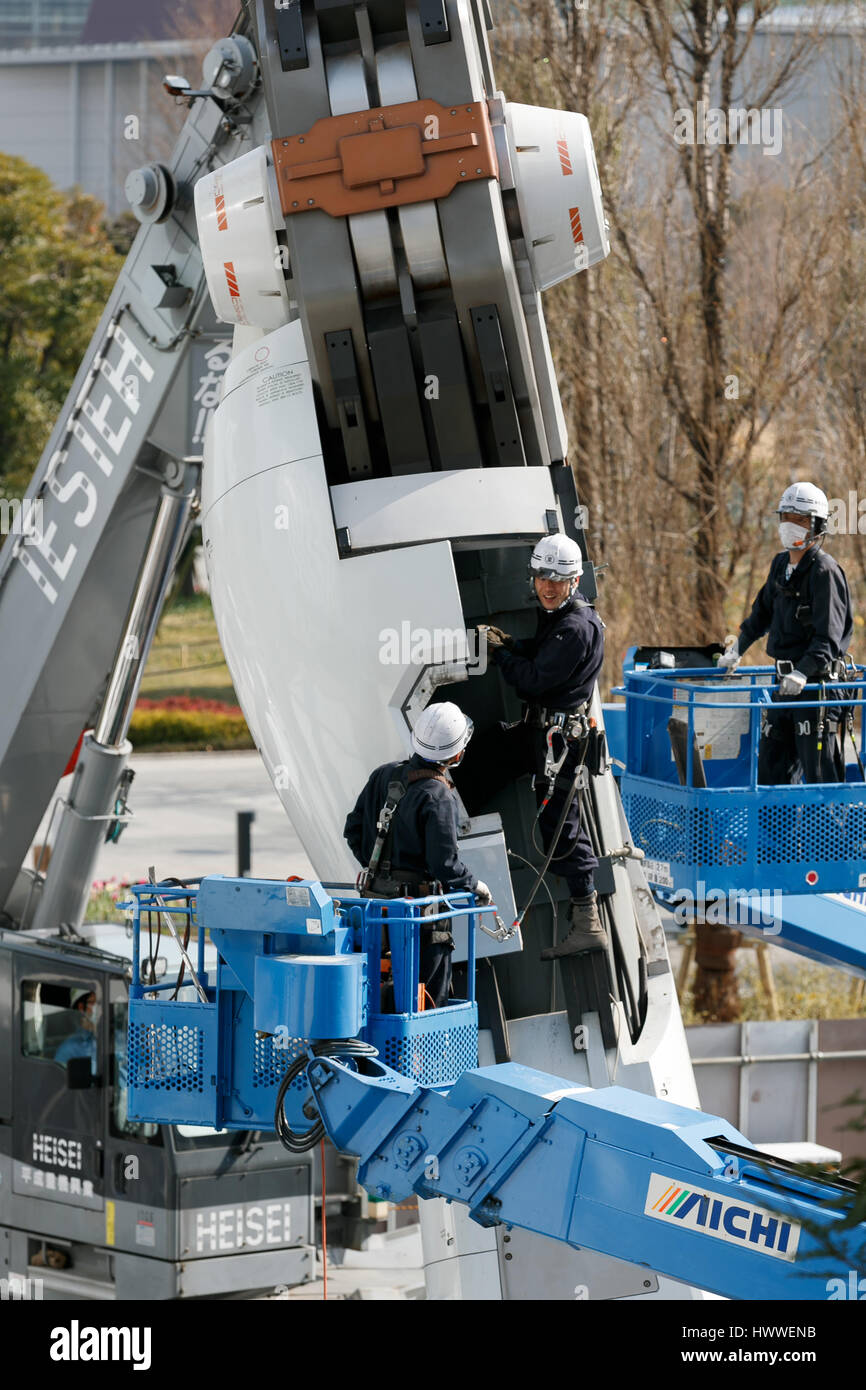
[[390, 1267], [185, 807]]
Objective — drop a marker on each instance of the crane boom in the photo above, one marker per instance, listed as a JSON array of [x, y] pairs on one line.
[[123, 436]]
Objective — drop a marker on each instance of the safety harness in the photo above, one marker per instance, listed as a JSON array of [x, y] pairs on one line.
[[834, 671], [840, 668], [380, 879], [563, 730]]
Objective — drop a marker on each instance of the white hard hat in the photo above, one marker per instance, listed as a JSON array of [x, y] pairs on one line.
[[442, 731], [556, 557], [805, 498]]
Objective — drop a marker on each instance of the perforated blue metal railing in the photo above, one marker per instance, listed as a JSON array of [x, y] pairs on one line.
[[431, 1046], [734, 834], [201, 1060], [434, 1053]]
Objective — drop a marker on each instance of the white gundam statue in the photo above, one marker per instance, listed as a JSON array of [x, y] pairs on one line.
[[389, 450]]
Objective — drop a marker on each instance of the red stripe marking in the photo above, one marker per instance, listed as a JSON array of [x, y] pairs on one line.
[[564, 157], [576, 229], [220, 202], [231, 279]]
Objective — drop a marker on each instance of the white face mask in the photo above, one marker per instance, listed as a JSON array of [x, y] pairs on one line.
[[793, 537], [95, 1014]]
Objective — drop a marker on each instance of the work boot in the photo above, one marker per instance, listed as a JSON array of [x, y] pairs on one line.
[[587, 932]]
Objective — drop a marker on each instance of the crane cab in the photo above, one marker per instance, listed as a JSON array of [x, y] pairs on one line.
[[96, 1205]]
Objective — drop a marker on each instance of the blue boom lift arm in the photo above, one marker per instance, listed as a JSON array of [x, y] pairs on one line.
[[621, 1173], [298, 977]]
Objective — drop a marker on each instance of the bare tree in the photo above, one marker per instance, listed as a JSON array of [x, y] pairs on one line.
[[207, 20], [195, 25], [675, 372]]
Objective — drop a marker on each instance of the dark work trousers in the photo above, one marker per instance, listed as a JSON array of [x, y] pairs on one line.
[[434, 965], [789, 739], [435, 972], [501, 755]]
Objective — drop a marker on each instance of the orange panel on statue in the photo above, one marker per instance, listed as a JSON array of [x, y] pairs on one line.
[[386, 157], [364, 156]]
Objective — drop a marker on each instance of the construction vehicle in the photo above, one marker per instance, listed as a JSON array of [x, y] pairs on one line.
[[98, 1206], [376, 223], [620, 1173]]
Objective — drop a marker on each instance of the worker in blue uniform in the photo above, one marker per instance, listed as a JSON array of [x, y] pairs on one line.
[[554, 673], [804, 609], [403, 829]]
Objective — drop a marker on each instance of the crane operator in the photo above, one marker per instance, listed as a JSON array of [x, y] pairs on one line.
[[554, 673], [805, 608], [404, 829], [82, 1042]]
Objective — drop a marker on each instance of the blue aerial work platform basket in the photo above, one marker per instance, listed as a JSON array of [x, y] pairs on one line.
[[272, 967], [692, 798]]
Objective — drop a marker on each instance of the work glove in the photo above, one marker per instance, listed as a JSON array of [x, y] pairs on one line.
[[483, 896], [496, 638], [791, 686], [730, 658]]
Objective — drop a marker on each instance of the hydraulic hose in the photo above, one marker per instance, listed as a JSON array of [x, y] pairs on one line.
[[626, 991], [153, 951], [572, 792], [588, 819], [177, 883], [328, 1047], [635, 1008]]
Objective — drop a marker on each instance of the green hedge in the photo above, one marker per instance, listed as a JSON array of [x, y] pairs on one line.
[[189, 729]]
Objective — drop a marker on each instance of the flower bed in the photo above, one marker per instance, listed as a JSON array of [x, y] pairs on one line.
[[188, 722], [195, 703], [104, 896]]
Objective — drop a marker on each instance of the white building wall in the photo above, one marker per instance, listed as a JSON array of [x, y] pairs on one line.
[[66, 111]]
